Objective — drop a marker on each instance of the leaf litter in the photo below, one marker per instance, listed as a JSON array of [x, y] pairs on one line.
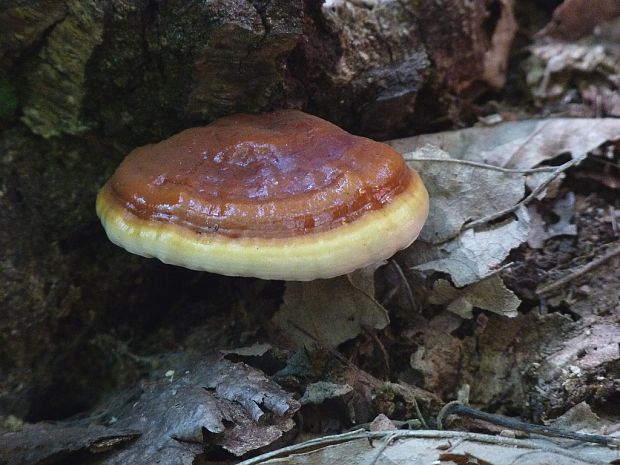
[[472, 174]]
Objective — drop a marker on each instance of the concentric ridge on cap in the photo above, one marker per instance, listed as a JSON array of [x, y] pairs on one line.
[[283, 195]]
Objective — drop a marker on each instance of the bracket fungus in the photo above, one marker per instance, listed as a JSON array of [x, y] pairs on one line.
[[282, 195]]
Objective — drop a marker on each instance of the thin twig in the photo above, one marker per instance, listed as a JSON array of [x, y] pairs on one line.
[[457, 408], [541, 187], [612, 219], [340, 357], [321, 442], [606, 162], [387, 370], [403, 278], [418, 412], [387, 440], [543, 169], [550, 288], [539, 130], [414, 423]]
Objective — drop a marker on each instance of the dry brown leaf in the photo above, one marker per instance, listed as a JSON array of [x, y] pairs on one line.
[[603, 97], [540, 230], [472, 256], [456, 198], [319, 392], [328, 312], [555, 69], [382, 423], [489, 294], [225, 402], [438, 357], [49, 443], [519, 144], [460, 192], [255, 350], [573, 19], [579, 418]]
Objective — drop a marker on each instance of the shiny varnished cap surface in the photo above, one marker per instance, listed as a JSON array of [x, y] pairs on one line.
[[279, 174]]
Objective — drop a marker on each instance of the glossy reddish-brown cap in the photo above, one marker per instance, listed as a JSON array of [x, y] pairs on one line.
[[283, 195]]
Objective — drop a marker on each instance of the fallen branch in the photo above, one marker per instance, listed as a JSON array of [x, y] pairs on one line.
[[550, 288], [390, 436], [535, 193], [543, 169], [408, 291], [457, 408]]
